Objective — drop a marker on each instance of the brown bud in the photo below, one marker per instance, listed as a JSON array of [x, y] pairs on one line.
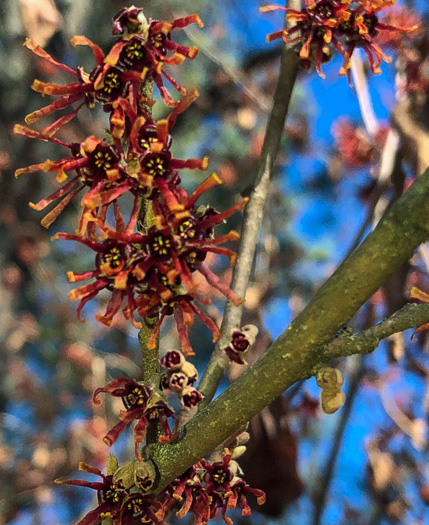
[[329, 379], [177, 381], [331, 402], [191, 397], [172, 360]]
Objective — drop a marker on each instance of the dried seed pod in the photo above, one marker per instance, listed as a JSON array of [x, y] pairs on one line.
[[144, 475], [124, 475], [331, 402], [330, 379], [251, 331], [190, 397], [172, 360], [177, 382], [241, 341], [190, 371]]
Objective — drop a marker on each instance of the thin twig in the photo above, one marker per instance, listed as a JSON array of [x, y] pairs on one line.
[[364, 342], [377, 205], [238, 77], [362, 91], [252, 221], [150, 357]]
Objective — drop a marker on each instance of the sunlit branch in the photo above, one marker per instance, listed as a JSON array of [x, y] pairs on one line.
[[303, 348]]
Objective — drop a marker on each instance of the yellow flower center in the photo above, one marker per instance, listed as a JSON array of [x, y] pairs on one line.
[[155, 166], [136, 397], [113, 257], [161, 245], [103, 160]]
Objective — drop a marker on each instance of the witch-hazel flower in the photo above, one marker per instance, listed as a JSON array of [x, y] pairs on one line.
[[343, 24], [115, 502], [110, 495], [142, 404], [145, 46], [154, 271], [97, 166], [120, 74]]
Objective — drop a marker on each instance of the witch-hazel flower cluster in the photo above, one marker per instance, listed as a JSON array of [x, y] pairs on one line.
[[150, 274], [150, 270]]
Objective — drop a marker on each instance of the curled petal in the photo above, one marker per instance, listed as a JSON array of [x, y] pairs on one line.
[[112, 308], [60, 103], [80, 40], [214, 281], [37, 50]]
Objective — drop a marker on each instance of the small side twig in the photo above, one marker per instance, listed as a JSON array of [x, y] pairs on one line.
[[365, 342]]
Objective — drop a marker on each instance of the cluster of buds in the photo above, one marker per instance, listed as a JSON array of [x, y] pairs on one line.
[[343, 25], [180, 377], [152, 272], [142, 404], [241, 341], [212, 486]]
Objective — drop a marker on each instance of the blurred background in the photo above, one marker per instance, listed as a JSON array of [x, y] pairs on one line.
[[366, 464]]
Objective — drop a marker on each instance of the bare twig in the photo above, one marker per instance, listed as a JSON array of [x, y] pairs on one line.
[[378, 203], [252, 221], [238, 77], [366, 341], [362, 91]]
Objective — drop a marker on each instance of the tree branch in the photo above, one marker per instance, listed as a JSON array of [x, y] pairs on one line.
[[302, 349], [252, 220], [146, 219], [150, 357]]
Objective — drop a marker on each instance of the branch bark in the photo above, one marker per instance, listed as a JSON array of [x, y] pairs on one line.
[[301, 350]]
